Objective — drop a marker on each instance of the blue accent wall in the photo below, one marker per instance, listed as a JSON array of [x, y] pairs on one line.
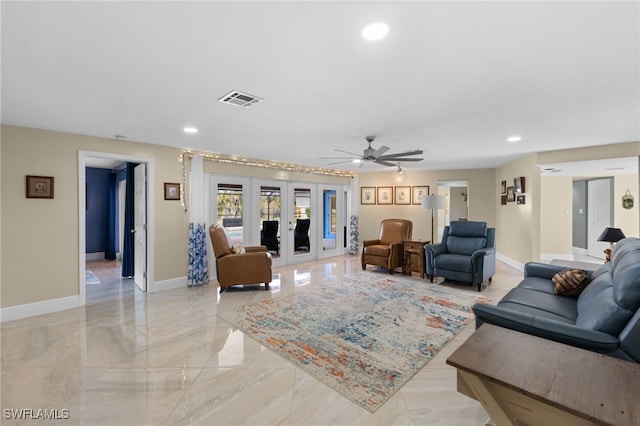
[[96, 211]]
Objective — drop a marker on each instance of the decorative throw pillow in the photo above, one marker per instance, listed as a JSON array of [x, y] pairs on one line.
[[570, 282], [237, 250]]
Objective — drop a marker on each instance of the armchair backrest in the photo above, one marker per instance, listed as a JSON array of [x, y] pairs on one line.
[[465, 237], [395, 230], [220, 241]]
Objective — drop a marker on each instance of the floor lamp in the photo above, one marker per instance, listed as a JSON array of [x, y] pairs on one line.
[[432, 202]]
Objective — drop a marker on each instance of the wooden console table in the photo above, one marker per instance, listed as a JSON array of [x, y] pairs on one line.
[[523, 379], [413, 257]]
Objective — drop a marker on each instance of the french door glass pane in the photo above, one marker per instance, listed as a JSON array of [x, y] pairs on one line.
[[330, 219], [270, 204], [229, 207], [302, 215]]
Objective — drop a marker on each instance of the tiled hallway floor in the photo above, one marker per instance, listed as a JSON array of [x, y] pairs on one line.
[[133, 358]]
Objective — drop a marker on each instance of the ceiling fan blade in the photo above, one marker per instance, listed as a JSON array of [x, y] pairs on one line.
[[347, 152], [341, 162], [337, 158], [395, 158], [384, 163], [378, 152], [403, 154]]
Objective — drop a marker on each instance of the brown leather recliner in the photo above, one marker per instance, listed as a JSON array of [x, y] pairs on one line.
[[251, 267], [387, 251]]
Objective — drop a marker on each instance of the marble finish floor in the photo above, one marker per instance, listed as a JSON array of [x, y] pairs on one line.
[[130, 358]]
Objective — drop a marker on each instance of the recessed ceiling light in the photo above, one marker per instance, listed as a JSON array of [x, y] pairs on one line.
[[375, 31], [356, 160], [514, 139], [190, 130]]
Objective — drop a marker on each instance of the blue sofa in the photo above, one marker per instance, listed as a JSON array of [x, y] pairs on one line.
[[466, 254], [604, 318]]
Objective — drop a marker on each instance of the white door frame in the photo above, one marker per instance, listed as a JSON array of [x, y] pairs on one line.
[[83, 156]]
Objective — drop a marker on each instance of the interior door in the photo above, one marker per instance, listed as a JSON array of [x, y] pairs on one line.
[[598, 215], [140, 227]]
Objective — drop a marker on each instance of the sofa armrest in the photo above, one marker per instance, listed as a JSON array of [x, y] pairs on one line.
[[255, 249], [541, 270], [557, 331], [434, 250]]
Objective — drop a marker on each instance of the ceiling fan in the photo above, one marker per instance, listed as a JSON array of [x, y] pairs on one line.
[[376, 156]]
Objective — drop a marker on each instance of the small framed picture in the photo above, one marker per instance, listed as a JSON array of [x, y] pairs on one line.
[[368, 195], [171, 191], [511, 195], [402, 195], [417, 192], [503, 187], [385, 194], [520, 199], [503, 200], [39, 187]]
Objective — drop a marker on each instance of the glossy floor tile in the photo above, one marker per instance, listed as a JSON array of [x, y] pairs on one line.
[[133, 358]]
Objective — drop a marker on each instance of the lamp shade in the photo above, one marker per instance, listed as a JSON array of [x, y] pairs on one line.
[[433, 202], [611, 235]]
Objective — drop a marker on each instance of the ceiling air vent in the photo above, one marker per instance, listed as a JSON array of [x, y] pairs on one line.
[[240, 99]]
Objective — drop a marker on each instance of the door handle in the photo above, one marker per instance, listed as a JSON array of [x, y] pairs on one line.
[[133, 231]]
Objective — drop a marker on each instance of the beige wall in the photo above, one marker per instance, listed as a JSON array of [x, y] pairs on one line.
[[40, 258], [481, 199], [626, 219], [556, 216], [518, 225]]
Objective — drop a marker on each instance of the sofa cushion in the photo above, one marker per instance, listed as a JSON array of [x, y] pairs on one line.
[[465, 245], [570, 282], [537, 284], [453, 262], [536, 312], [377, 250], [542, 302]]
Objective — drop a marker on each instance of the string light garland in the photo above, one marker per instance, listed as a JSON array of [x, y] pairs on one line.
[[250, 162]]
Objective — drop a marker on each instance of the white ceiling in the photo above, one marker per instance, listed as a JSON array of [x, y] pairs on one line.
[[455, 79]]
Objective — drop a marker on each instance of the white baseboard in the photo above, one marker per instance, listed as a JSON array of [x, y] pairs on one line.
[[508, 261], [173, 283], [580, 251], [38, 308], [550, 256], [95, 256]]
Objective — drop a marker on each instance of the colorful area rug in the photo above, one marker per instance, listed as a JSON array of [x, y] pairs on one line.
[[364, 336]]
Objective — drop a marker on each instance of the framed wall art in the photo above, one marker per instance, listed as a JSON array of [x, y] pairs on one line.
[[402, 195], [520, 199], [417, 192], [385, 195], [171, 191], [39, 186], [511, 195], [503, 187], [367, 195]]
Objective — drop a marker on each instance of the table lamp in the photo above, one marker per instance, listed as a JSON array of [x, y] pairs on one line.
[[610, 235]]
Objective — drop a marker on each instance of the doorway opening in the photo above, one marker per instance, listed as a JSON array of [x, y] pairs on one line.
[[456, 203], [110, 270]]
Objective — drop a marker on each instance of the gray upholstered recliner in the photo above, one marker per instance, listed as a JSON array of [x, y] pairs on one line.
[[467, 253]]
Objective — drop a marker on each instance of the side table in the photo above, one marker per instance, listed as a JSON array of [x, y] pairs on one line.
[[414, 257]]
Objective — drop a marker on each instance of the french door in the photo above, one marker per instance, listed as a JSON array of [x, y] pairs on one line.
[[296, 221]]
